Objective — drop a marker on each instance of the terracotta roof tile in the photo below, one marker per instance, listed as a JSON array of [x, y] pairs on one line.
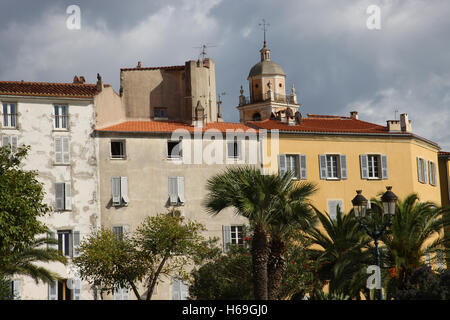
[[49, 89], [169, 126], [444, 153]]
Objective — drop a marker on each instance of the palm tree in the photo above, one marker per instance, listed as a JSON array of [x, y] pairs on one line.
[[251, 194], [22, 261], [417, 228], [292, 212], [339, 246]]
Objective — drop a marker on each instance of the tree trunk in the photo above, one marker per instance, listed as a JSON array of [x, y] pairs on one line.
[[275, 268], [259, 263]]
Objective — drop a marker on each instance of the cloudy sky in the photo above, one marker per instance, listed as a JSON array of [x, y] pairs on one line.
[[336, 63]]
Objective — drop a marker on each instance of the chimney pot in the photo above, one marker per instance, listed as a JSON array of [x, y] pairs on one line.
[[139, 65], [354, 115]]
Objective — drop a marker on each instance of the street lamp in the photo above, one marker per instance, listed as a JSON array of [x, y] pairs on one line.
[[388, 200]]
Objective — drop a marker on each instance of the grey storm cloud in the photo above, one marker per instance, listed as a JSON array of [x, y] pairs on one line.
[[336, 63]]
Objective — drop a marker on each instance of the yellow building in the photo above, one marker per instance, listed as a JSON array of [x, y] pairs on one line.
[[341, 154]]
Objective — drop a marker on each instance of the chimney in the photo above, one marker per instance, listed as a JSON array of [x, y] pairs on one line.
[[354, 115], [139, 65], [99, 82], [405, 124]]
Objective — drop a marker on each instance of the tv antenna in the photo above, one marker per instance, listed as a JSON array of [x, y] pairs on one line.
[[203, 48], [395, 114]]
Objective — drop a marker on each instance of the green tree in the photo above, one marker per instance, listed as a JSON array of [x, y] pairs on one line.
[[251, 195], [340, 245], [161, 247], [21, 207]]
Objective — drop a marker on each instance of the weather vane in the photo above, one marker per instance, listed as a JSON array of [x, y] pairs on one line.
[[264, 25]]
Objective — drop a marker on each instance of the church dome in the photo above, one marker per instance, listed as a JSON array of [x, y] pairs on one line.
[[266, 67]]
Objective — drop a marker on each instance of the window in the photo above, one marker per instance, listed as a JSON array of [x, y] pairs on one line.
[[11, 142], [65, 244], [232, 235], [119, 190], [9, 115], [61, 117], [176, 190], [373, 166], [333, 166], [122, 294], [234, 149], [118, 232], [118, 149], [432, 172], [63, 194], [174, 149], [65, 289], [15, 289], [179, 290], [62, 150], [159, 113], [333, 207], [296, 163]]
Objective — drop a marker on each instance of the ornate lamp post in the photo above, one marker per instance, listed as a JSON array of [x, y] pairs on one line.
[[388, 200]]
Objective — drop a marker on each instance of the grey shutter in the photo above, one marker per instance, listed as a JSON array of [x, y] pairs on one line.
[[364, 169], [53, 290], [5, 141], [14, 143], [303, 172], [184, 293], [332, 208], [384, 167], [125, 294], [173, 190], [118, 294], [323, 166], [425, 171], [433, 172], [68, 196], [226, 236], [124, 189], [230, 149], [60, 195], [16, 289], [58, 150], [343, 164], [419, 169], [76, 288], [176, 289], [66, 149], [281, 164], [76, 243], [52, 235], [239, 149], [180, 183], [115, 190]]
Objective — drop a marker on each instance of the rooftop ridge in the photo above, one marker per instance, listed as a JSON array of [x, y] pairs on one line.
[[154, 68], [48, 83]]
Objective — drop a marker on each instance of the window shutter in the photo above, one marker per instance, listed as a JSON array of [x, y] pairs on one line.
[[226, 236], [384, 167], [58, 150], [14, 143], [181, 189], [303, 175], [364, 169], [173, 190], [433, 173], [425, 171], [68, 196], [239, 149], [52, 235], [76, 288], [60, 196], [332, 208], [118, 294], [66, 149], [343, 163], [281, 164], [230, 149], [184, 292], [76, 243], [323, 166], [16, 289], [124, 189], [115, 189], [419, 169], [5, 141], [176, 289], [53, 290], [125, 294]]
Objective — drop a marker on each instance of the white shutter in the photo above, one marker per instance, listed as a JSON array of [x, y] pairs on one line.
[[173, 190], [343, 164], [53, 290], [58, 150], [68, 196], [433, 172], [425, 171], [16, 289], [118, 294], [59, 192], [226, 236], [323, 166], [239, 149], [332, 208], [76, 243], [76, 282], [281, 164], [124, 189], [176, 289], [184, 291], [125, 229], [180, 183], [115, 190], [384, 167], [6, 141], [125, 294], [66, 149], [52, 235], [303, 175], [14, 143], [364, 168], [230, 149]]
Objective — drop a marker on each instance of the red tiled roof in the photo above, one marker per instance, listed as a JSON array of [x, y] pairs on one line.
[[153, 68], [316, 123], [44, 89], [169, 126], [444, 153]]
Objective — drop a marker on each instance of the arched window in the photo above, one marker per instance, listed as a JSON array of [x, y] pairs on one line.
[[256, 116]]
